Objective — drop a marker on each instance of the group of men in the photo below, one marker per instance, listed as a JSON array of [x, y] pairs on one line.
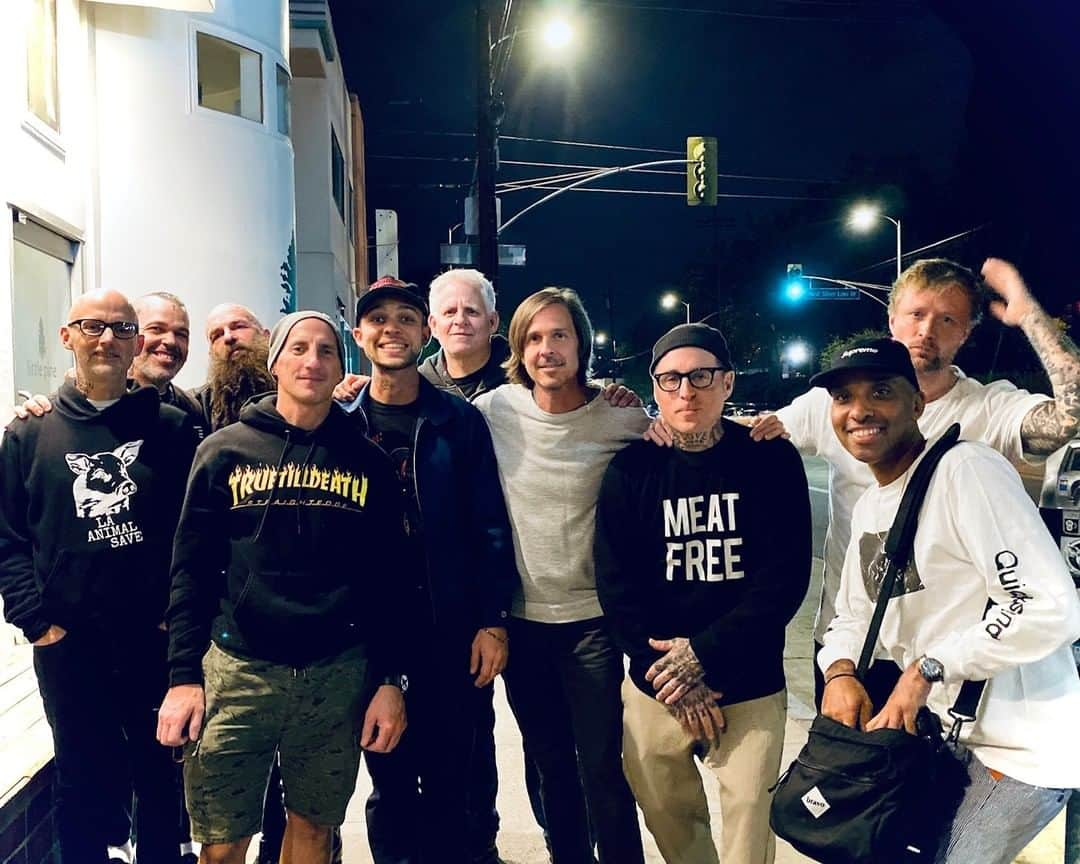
[[326, 578]]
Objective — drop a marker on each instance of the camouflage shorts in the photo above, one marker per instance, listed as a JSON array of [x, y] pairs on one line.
[[312, 716]]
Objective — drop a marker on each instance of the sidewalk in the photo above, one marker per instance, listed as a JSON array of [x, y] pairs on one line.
[[520, 841]]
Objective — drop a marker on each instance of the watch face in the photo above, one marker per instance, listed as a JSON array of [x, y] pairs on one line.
[[931, 669]]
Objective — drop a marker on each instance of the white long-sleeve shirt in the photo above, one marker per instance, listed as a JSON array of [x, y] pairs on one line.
[[979, 536], [991, 413], [550, 468]]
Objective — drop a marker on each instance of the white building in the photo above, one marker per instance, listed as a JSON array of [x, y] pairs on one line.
[[331, 237], [145, 147]]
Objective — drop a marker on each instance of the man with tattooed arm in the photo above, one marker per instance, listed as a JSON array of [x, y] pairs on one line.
[[698, 572], [933, 308]]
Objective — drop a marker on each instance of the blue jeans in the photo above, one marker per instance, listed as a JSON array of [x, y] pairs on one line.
[[996, 818]]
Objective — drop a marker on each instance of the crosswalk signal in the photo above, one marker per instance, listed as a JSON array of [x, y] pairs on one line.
[[700, 171]]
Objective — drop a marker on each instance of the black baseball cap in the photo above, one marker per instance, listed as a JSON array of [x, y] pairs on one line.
[[387, 287], [884, 357], [692, 336]]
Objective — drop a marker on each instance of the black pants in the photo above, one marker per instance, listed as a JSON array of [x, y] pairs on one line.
[[101, 694], [564, 686], [881, 678], [417, 810]]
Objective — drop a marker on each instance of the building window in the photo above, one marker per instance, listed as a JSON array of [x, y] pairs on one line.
[[337, 173], [230, 77], [350, 219], [283, 119], [42, 92]]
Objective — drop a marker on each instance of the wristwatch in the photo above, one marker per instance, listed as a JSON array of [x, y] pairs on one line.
[[399, 681], [931, 669]]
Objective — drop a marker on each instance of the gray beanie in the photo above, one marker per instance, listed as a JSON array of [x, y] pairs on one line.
[[281, 332]]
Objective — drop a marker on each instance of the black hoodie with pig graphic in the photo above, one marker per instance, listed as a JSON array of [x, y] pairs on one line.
[[290, 548], [89, 501]]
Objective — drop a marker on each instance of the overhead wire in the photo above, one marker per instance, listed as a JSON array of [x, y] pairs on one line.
[[809, 181], [622, 6]]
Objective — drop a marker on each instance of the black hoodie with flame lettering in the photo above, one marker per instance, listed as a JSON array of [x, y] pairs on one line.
[[288, 547]]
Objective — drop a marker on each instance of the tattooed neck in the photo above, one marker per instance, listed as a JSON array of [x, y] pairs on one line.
[[694, 441]]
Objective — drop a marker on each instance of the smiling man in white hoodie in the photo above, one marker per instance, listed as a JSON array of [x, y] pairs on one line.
[[986, 597]]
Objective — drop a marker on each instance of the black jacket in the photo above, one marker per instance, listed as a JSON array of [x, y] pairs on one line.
[[89, 501], [494, 375], [712, 545], [468, 547], [289, 546]]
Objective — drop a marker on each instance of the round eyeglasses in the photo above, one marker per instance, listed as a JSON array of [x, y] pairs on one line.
[[95, 327], [700, 379]]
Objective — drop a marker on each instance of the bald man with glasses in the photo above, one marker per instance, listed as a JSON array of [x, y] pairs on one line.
[[90, 496]]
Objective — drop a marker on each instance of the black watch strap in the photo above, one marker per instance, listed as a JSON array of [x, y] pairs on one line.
[[399, 681]]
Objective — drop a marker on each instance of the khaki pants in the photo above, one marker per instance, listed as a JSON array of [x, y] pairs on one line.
[[658, 757]]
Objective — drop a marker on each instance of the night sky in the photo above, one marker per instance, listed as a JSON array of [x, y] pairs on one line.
[[954, 115]]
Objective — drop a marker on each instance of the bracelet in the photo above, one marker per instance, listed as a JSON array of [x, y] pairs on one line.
[[832, 678], [495, 635]]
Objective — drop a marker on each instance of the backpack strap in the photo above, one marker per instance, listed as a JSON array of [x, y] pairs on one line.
[[901, 538]]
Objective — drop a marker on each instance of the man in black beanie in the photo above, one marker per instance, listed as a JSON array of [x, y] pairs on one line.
[[699, 571]]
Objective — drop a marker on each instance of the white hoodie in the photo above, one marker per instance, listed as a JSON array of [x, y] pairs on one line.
[[979, 536]]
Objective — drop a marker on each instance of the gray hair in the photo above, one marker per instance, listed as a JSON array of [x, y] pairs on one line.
[[472, 278]]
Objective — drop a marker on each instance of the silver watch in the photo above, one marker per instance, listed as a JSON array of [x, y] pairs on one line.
[[931, 669]]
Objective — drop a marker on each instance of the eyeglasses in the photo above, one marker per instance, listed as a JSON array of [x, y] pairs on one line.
[[95, 327], [700, 379]]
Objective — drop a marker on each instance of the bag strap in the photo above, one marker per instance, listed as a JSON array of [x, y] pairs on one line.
[[899, 545], [901, 538]]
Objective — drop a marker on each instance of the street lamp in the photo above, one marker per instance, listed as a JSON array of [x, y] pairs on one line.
[[671, 300], [600, 338], [864, 217], [557, 33], [797, 353]]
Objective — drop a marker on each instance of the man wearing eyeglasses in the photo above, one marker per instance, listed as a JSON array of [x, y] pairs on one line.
[[90, 495], [699, 571]]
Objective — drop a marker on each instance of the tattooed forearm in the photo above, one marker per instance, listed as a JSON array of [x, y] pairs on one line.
[[697, 440], [1051, 424]]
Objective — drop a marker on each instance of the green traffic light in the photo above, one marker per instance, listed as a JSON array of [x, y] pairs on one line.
[[795, 291]]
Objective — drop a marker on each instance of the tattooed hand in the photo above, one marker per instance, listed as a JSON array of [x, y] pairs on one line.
[[677, 671], [699, 715], [1015, 301]]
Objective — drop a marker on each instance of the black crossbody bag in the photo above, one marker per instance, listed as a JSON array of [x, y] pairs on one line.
[[852, 796]]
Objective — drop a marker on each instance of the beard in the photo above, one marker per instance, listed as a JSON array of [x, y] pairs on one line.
[[234, 380]]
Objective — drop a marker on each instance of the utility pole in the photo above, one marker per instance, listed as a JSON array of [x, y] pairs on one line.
[[487, 243]]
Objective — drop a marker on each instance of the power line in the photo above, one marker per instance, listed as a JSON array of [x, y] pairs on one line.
[[921, 249], [809, 181], [682, 194], [440, 134], [608, 4]]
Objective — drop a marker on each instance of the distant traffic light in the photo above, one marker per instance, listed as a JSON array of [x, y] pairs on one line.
[[795, 285], [701, 171]]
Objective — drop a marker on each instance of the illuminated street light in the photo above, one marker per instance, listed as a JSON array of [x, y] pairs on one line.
[[557, 33], [600, 338], [865, 216], [670, 300], [797, 353]]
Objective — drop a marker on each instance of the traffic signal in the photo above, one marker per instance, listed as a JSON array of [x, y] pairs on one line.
[[700, 171], [795, 285]]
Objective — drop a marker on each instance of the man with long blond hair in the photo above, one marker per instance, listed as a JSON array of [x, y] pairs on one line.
[[553, 440]]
